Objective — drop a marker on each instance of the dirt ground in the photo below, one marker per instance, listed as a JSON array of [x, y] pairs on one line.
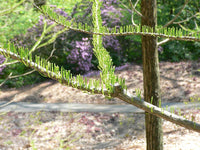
[[88, 131], [91, 131]]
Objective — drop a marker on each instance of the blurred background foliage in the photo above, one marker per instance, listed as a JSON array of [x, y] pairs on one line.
[[73, 50]]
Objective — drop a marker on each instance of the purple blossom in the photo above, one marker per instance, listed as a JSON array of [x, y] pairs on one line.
[[60, 11], [2, 59], [109, 2], [160, 49], [111, 15], [112, 41], [81, 55]]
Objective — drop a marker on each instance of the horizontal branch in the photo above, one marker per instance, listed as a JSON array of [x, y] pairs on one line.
[[159, 112], [118, 92], [183, 38], [171, 33], [53, 75]]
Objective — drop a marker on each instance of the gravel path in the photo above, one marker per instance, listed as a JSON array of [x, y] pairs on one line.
[[97, 108]]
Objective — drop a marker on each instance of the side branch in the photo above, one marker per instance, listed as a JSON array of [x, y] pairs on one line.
[[171, 21], [133, 8], [187, 19], [118, 92], [159, 112], [56, 76], [162, 42], [171, 33]]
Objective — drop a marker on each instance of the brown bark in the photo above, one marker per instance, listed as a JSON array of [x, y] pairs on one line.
[[151, 76]]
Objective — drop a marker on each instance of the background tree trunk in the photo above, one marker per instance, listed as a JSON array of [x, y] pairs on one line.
[[151, 76]]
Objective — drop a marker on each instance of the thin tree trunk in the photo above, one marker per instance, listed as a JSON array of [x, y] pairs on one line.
[[151, 76]]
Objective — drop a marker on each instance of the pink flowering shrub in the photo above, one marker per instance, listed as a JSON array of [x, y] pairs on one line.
[[74, 49]]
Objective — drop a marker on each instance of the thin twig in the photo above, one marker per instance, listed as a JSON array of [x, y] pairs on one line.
[[186, 29], [178, 14], [133, 8], [188, 19], [132, 14], [136, 3], [6, 79], [21, 75], [162, 42], [125, 6], [53, 38], [9, 63], [40, 39], [52, 52]]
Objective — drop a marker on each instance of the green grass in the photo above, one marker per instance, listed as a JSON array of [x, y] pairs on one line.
[[67, 4], [17, 22]]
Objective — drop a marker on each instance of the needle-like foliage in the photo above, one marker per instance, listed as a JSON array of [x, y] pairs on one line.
[[160, 31]]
